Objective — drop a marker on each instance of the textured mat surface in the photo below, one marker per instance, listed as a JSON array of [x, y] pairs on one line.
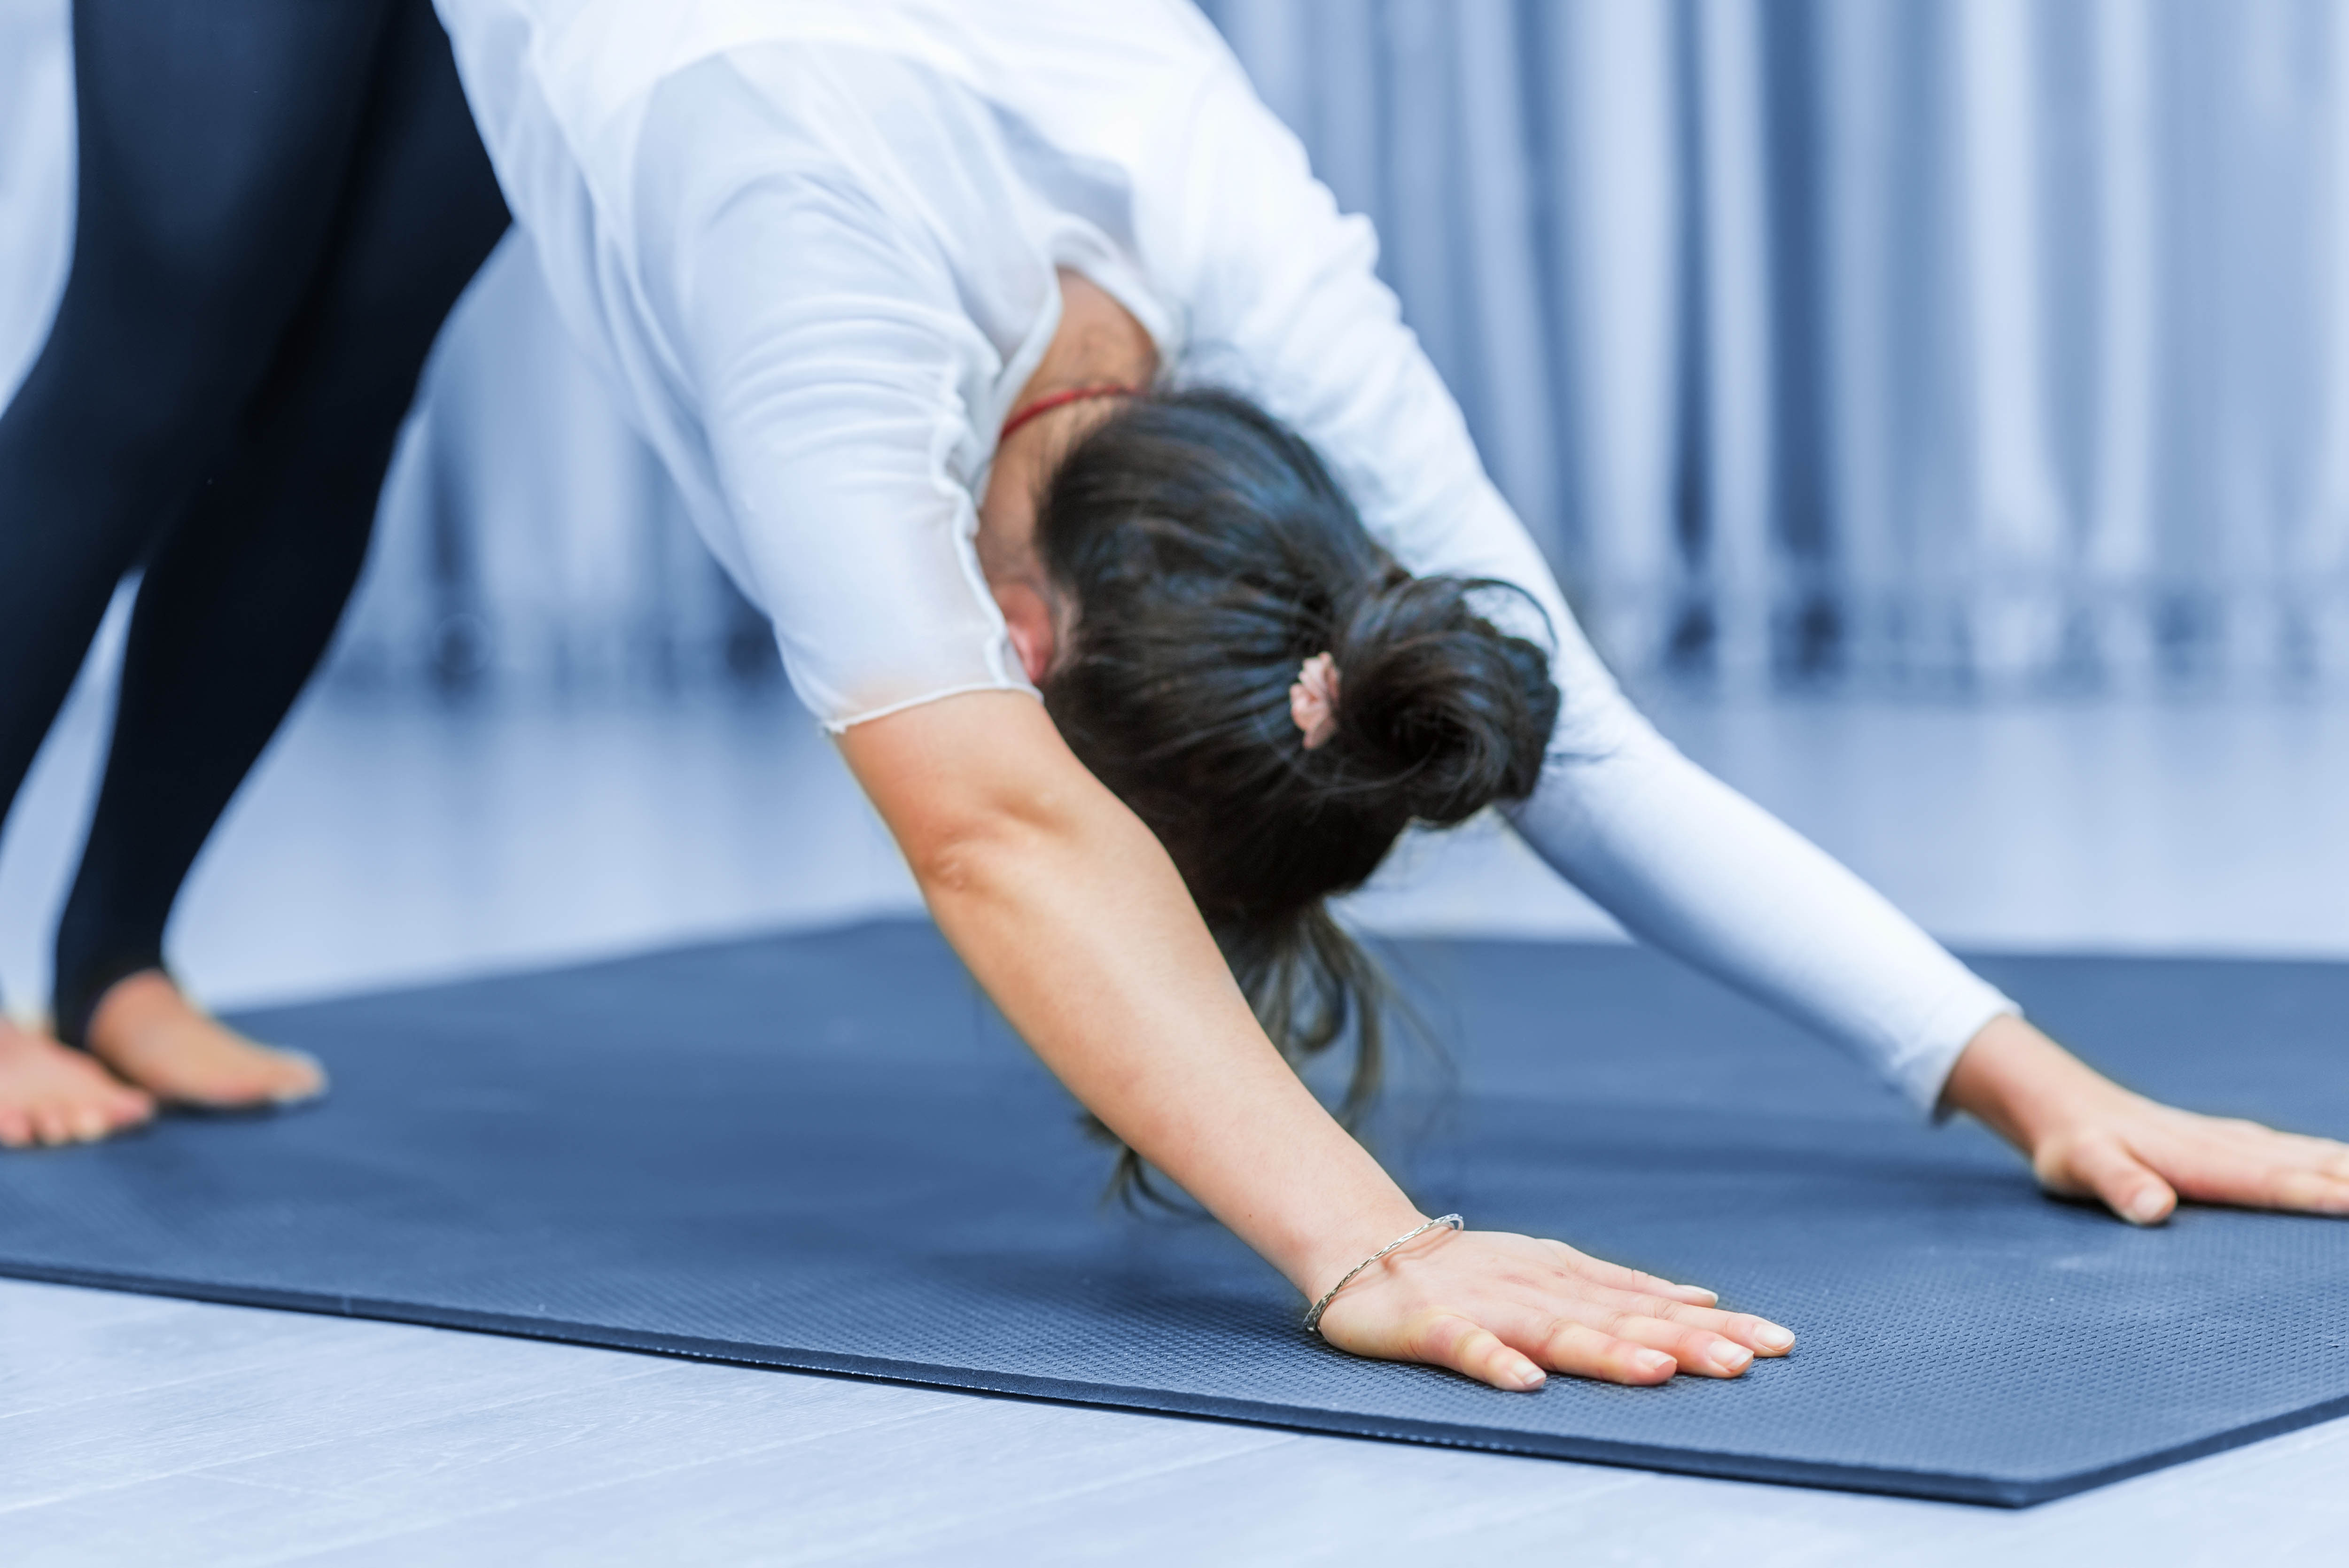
[[823, 1152]]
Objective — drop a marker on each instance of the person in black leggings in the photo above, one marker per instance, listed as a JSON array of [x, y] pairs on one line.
[[279, 201]]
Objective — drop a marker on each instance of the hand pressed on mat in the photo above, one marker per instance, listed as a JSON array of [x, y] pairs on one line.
[[1073, 918], [1506, 1309], [2087, 1137]]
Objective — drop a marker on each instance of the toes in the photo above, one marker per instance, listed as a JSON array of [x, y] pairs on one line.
[[306, 1078], [52, 1126], [50, 1096]]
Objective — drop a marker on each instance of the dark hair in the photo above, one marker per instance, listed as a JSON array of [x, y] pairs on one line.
[[1210, 553]]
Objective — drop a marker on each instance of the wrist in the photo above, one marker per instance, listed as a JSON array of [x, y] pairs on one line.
[[2023, 1086], [1424, 1229], [1339, 1244]]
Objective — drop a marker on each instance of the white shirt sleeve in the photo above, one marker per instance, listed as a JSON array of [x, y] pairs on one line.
[[829, 360], [1284, 285]]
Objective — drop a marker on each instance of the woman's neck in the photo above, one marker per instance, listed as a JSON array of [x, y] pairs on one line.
[[1097, 344]]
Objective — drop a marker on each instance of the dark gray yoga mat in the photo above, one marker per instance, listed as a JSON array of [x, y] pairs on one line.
[[822, 1152]]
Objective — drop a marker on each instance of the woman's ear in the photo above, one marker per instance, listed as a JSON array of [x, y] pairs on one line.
[[1028, 616]]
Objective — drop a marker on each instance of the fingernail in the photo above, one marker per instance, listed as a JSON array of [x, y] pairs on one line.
[[1531, 1377], [1774, 1338], [1653, 1361], [1731, 1358], [2146, 1208]]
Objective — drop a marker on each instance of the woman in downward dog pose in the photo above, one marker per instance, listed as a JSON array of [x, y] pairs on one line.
[[1007, 351], [919, 304]]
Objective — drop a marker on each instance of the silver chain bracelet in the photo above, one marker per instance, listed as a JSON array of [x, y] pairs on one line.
[[1313, 1319]]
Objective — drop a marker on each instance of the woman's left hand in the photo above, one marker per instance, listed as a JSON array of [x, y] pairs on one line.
[[2086, 1136]]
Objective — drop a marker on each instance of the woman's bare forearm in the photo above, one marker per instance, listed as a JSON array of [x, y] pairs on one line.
[[1071, 914]]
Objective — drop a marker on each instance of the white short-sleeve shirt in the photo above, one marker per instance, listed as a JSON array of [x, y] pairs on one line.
[[814, 242], [814, 245]]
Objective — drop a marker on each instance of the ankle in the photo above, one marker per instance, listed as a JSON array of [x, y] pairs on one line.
[[84, 983], [130, 1006]]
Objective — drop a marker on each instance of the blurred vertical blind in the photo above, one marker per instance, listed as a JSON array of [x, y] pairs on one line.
[[1949, 344], [1972, 341]]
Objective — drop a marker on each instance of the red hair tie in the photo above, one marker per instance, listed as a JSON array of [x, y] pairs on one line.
[[1045, 405]]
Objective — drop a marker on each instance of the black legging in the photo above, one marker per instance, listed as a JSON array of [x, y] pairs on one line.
[[280, 200]]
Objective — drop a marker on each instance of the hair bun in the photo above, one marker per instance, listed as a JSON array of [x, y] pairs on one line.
[[1437, 706]]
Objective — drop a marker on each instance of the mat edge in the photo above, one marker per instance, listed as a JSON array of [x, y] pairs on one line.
[[1721, 1465]]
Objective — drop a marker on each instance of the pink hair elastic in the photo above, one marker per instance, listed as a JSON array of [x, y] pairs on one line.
[[1313, 700]]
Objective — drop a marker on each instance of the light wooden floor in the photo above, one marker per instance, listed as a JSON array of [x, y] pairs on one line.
[[398, 843], [137, 1430]]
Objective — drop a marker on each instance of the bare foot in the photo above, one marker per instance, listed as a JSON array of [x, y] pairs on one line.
[[51, 1095], [146, 1030]]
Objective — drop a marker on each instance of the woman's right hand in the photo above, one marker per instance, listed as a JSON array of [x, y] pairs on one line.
[[1508, 1310], [1073, 918]]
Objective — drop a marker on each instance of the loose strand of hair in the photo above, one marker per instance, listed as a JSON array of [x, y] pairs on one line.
[[1310, 983]]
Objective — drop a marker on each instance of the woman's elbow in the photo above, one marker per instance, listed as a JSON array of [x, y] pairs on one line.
[[977, 788], [963, 853]]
